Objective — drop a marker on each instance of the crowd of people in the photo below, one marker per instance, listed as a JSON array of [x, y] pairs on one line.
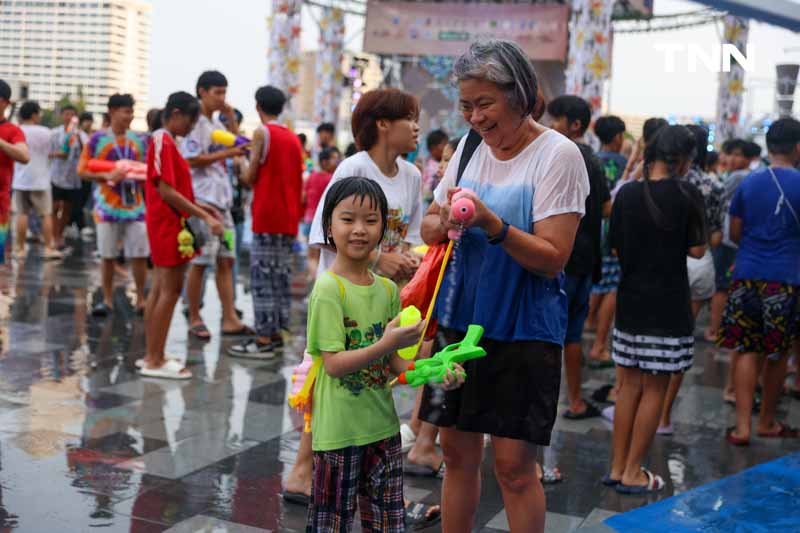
[[629, 241]]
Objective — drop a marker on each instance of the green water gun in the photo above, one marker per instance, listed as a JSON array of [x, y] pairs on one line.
[[435, 369]]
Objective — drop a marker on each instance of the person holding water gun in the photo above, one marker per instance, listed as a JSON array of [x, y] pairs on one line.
[[118, 202], [357, 459], [169, 201], [530, 187]]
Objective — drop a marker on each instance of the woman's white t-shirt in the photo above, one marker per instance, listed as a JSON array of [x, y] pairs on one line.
[[403, 194]]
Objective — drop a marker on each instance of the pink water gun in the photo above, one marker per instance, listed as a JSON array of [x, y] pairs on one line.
[[462, 209], [134, 170], [303, 377]]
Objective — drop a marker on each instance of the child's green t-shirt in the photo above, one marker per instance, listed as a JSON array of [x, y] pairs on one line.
[[358, 408]]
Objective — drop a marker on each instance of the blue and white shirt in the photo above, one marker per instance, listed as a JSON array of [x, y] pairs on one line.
[[483, 284]]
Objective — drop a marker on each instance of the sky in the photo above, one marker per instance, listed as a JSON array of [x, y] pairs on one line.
[[188, 39]]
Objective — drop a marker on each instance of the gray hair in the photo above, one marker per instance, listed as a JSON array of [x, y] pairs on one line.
[[504, 64]]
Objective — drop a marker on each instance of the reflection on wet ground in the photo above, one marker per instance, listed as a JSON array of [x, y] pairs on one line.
[[87, 444]]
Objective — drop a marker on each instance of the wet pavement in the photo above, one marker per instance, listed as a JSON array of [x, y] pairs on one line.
[[85, 444]]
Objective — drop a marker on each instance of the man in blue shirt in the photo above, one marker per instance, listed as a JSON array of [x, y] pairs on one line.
[[761, 317]]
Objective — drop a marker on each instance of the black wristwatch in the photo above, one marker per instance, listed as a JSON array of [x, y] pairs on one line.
[[500, 237]]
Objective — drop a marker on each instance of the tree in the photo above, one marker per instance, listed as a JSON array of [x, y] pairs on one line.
[[51, 117]]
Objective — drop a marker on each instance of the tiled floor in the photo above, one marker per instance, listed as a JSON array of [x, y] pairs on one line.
[[86, 444]]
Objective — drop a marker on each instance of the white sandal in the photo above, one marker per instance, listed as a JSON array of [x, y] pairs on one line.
[[140, 362], [171, 369]]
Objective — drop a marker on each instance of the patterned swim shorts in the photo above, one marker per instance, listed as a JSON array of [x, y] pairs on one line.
[[760, 317]]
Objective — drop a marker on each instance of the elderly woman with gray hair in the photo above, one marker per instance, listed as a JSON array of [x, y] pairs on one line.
[[530, 186]]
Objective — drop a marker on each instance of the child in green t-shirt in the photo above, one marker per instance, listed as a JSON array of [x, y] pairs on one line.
[[355, 430]]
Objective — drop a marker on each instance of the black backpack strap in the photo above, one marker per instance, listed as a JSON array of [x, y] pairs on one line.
[[473, 140]]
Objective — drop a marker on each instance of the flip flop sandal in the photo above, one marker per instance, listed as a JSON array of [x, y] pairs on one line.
[[424, 470], [171, 369], [418, 516], [654, 484], [608, 482], [200, 331], [244, 331], [297, 498], [601, 394], [140, 362], [590, 412], [784, 432], [551, 476], [736, 441]]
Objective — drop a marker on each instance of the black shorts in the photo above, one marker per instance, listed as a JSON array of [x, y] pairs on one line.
[[64, 195], [511, 393]]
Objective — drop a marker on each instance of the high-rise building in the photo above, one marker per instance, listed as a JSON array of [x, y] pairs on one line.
[[57, 46]]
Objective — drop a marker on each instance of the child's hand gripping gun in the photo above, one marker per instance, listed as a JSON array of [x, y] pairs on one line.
[[303, 378], [435, 369]]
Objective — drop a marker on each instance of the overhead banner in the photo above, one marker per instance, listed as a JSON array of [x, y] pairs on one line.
[[448, 28]]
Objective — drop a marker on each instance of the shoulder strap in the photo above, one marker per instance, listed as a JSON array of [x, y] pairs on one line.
[[471, 144], [338, 282], [783, 199], [387, 285]]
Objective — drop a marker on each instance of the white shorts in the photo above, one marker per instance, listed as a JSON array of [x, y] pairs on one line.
[[701, 277], [131, 237], [214, 248]]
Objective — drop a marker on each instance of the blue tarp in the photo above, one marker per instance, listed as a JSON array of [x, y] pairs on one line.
[[782, 13]]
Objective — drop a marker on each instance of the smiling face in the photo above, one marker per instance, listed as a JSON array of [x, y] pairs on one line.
[[356, 227], [486, 108], [121, 118]]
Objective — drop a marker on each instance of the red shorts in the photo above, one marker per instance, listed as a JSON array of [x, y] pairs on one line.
[[163, 237]]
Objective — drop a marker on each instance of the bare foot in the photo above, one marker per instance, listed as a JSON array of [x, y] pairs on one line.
[[425, 457], [729, 396], [710, 335], [298, 482]]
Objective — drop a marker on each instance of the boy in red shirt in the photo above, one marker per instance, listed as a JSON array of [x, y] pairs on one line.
[[12, 148], [169, 200], [312, 192], [276, 176]]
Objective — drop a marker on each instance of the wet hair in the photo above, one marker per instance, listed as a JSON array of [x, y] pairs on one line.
[[435, 138], [361, 188], [700, 135], [209, 79], [651, 127], [326, 153], [115, 101], [380, 104], [783, 136], [351, 149], [672, 145], [731, 145], [28, 109], [270, 100], [69, 107], [712, 158], [752, 150], [506, 65], [607, 127], [573, 107], [5, 90], [326, 126], [182, 102]]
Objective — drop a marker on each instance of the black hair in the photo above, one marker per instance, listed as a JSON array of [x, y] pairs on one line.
[[5, 90], [712, 158], [731, 145], [362, 188], [182, 102], [69, 107], [86, 115], [327, 153], [303, 139], [209, 79], [154, 119], [270, 100], [106, 117], [435, 138], [326, 126], [608, 127], [783, 136], [573, 107], [751, 150], [350, 150], [28, 109], [454, 143], [117, 100], [651, 127], [672, 145], [700, 135]]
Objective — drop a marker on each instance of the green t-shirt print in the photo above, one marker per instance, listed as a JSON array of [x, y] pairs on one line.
[[356, 409]]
